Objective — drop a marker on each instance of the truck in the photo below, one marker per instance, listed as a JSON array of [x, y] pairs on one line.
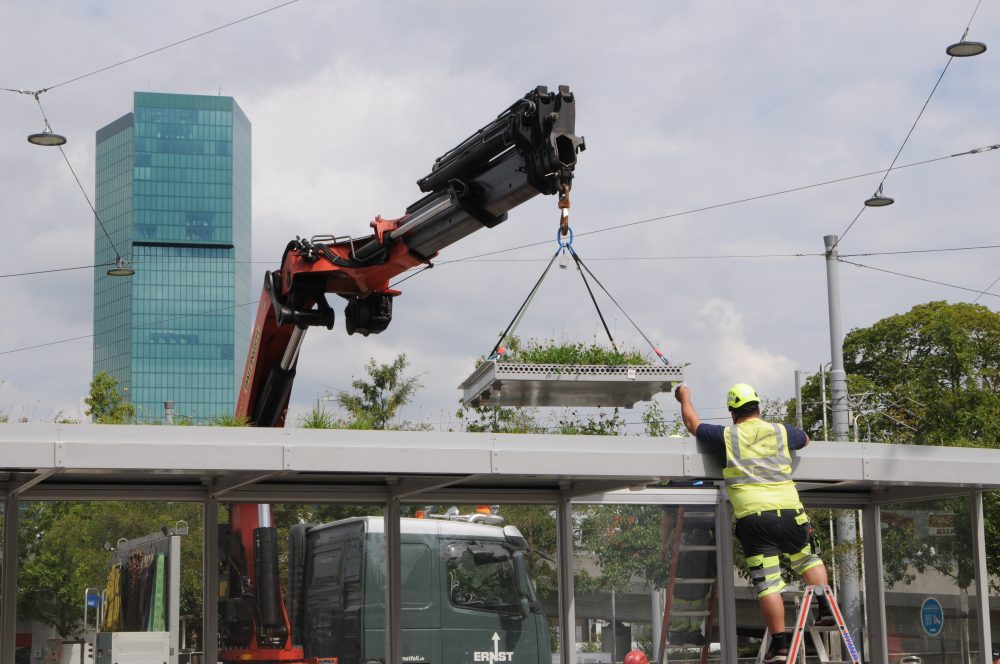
[[466, 592], [529, 149]]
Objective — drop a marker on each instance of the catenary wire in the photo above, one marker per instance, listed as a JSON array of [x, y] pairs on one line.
[[910, 276], [473, 258], [979, 150], [910, 132], [129, 326], [173, 260], [171, 45], [986, 291]]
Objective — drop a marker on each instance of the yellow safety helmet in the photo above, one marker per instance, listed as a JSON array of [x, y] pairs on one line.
[[741, 394]]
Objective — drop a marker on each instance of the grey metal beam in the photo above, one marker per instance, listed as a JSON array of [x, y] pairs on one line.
[[210, 580], [219, 489], [909, 494], [187, 455], [8, 606], [40, 475], [567, 593], [726, 586], [174, 599], [982, 598], [394, 582], [877, 644], [408, 487]]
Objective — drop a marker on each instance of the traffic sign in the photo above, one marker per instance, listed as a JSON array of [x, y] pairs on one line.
[[931, 617]]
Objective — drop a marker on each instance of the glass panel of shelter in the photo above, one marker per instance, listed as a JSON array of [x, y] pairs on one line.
[[643, 580]]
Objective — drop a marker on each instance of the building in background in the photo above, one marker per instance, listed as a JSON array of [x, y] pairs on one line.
[[173, 191]]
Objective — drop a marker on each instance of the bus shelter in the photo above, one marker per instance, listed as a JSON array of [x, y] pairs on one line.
[[920, 513]]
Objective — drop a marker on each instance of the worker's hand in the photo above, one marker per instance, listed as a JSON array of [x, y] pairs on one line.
[[682, 393]]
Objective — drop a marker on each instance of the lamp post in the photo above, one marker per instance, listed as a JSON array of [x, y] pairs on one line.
[[847, 532]]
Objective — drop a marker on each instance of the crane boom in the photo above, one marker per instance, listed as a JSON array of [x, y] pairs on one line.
[[529, 149]]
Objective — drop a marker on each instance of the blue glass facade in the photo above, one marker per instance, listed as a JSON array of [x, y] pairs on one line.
[[173, 190]]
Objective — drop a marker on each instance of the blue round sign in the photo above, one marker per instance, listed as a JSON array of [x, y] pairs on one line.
[[931, 617]]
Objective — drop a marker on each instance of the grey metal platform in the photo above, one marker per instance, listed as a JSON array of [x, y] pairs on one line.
[[513, 384]]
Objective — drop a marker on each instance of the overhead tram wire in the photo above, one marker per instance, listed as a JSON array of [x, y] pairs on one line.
[[923, 108], [916, 278], [678, 257], [898, 252], [986, 291], [128, 326], [53, 270], [167, 46], [672, 215], [118, 256], [979, 150]]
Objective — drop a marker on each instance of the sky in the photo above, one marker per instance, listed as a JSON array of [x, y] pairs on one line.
[[684, 106]]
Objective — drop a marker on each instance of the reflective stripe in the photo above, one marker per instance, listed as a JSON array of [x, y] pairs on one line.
[[764, 572], [757, 470], [799, 566]]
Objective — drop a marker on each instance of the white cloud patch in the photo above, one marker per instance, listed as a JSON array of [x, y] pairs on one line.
[[735, 358]]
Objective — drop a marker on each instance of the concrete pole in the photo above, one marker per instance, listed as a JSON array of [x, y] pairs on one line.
[[847, 531], [798, 398]]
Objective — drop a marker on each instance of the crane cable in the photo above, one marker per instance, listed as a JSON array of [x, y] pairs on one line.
[[564, 238]]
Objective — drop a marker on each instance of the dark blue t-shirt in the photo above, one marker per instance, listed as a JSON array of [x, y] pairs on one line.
[[713, 435]]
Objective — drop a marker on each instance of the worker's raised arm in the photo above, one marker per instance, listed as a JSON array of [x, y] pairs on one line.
[[688, 413]]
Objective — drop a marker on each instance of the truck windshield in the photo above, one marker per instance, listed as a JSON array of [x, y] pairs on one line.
[[481, 577]]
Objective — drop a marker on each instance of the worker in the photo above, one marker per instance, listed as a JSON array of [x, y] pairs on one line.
[[770, 520], [996, 654]]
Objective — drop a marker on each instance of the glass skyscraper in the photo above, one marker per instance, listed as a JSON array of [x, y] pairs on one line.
[[173, 191]]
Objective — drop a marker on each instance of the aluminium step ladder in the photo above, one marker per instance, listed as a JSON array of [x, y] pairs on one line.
[[804, 624], [679, 548]]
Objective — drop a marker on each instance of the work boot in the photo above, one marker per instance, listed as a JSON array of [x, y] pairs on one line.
[[778, 650], [776, 655]]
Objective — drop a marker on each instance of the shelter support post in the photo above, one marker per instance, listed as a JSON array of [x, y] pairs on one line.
[[174, 600], [726, 588], [210, 580], [9, 603], [394, 582], [567, 608], [982, 578], [877, 642]]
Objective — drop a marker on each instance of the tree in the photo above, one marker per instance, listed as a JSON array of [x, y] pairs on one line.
[[375, 401], [930, 376], [105, 404], [61, 552]]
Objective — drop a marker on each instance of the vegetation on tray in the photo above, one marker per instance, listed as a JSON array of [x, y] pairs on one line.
[[534, 351]]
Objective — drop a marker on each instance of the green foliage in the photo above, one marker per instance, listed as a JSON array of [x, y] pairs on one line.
[[930, 376], [497, 419], [231, 421], [626, 539], [938, 368], [105, 404], [375, 401], [320, 419], [569, 352], [61, 552], [601, 424]]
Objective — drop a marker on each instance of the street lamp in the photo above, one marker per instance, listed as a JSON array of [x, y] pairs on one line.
[[878, 200], [47, 137], [965, 49], [121, 269]]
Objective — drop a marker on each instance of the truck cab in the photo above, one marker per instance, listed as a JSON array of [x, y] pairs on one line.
[[466, 593]]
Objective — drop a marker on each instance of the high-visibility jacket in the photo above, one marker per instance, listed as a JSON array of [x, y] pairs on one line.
[[758, 470]]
